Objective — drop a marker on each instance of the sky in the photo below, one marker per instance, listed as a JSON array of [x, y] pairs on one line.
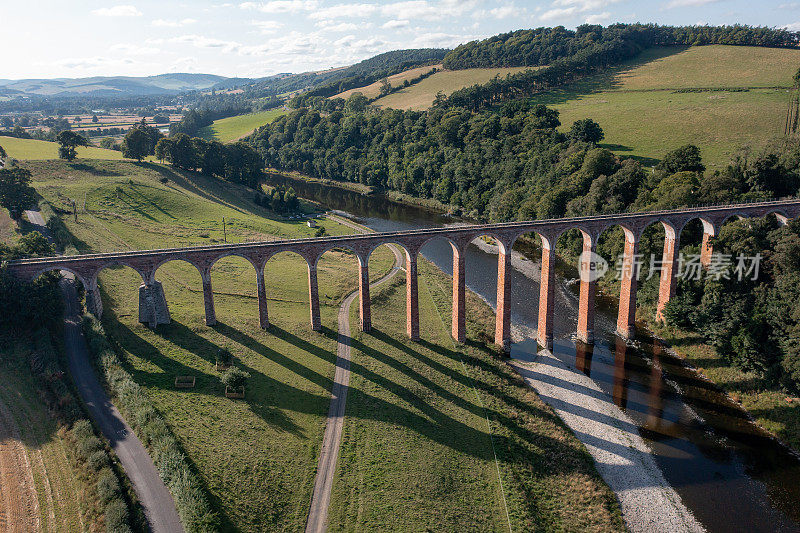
[[50, 39]]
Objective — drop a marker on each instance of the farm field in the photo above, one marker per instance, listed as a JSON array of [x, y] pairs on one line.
[[234, 128], [421, 95], [373, 90], [643, 116], [46, 480], [257, 457], [32, 149]]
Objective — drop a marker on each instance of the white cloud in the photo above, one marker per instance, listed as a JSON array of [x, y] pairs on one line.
[[201, 41], [438, 39], [161, 23], [423, 9], [598, 18], [394, 24], [267, 26], [118, 11], [281, 6], [563, 9], [792, 5], [794, 26], [344, 11], [688, 3], [330, 25], [558, 13], [135, 50]]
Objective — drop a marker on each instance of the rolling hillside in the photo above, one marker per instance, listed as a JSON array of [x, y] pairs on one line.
[[421, 95], [32, 149], [113, 85], [373, 90], [234, 128], [669, 97]]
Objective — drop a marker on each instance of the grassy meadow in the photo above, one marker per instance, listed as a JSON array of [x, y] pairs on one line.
[[373, 90], [32, 149], [643, 116], [441, 437], [421, 95], [233, 128]]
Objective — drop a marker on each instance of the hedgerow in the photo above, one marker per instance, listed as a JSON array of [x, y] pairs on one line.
[[184, 484]]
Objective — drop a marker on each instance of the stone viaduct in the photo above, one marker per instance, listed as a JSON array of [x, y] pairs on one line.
[[153, 306]]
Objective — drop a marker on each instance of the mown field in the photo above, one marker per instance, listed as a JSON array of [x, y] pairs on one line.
[[374, 89], [421, 95], [58, 489], [233, 128], [32, 149], [643, 116], [417, 453]]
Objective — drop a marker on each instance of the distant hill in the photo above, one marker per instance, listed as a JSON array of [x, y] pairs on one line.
[[105, 86]]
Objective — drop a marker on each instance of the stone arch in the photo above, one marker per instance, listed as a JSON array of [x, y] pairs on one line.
[[187, 278], [780, 214], [166, 260], [84, 281], [708, 224], [282, 284], [231, 279], [118, 263], [233, 253]]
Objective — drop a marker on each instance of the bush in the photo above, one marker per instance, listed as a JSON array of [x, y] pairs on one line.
[[107, 486], [98, 460], [89, 445], [235, 378], [116, 516], [224, 357], [82, 429]]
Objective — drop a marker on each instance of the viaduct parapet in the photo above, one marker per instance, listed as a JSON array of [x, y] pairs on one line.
[[153, 306]]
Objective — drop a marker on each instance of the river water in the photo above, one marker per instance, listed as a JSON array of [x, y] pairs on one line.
[[729, 473]]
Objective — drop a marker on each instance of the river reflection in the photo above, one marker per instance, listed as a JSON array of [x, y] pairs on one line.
[[730, 474]]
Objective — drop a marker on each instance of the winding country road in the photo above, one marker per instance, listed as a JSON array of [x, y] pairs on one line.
[[153, 495], [326, 467]]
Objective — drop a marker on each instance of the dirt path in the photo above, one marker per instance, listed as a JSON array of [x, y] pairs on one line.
[[326, 467], [19, 504]]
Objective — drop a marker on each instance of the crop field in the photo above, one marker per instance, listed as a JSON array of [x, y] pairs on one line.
[[421, 95], [32, 149], [233, 128], [741, 99], [374, 89], [31, 435], [417, 449]]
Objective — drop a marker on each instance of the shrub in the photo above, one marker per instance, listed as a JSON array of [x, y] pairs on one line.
[[89, 445], [164, 180], [82, 429], [224, 357], [107, 485], [98, 460], [235, 378], [116, 516]]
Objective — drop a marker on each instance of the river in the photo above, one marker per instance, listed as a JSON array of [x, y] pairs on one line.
[[729, 473]]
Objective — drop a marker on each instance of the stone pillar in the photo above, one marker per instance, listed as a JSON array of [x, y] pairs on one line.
[[208, 298], [412, 300], [706, 249], [583, 357], [669, 271], [363, 295], [459, 293], [153, 308], [502, 330], [620, 388], [547, 283], [313, 298], [586, 299], [626, 316], [263, 315], [94, 303]]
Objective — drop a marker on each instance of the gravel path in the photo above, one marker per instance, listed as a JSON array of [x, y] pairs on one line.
[[649, 504], [332, 439]]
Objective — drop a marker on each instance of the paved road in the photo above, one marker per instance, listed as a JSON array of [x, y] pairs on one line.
[[326, 467], [155, 498]]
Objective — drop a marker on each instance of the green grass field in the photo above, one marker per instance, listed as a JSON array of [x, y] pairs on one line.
[[32, 149], [643, 116], [374, 89], [233, 128], [421, 95], [417, 453]]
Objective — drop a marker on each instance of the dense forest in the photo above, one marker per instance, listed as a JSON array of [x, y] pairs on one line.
[[542, 46]]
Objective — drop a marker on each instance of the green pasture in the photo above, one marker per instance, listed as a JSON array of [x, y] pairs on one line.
[[234, 128]]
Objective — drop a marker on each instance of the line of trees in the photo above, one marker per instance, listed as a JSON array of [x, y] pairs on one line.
[[237, 162]]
